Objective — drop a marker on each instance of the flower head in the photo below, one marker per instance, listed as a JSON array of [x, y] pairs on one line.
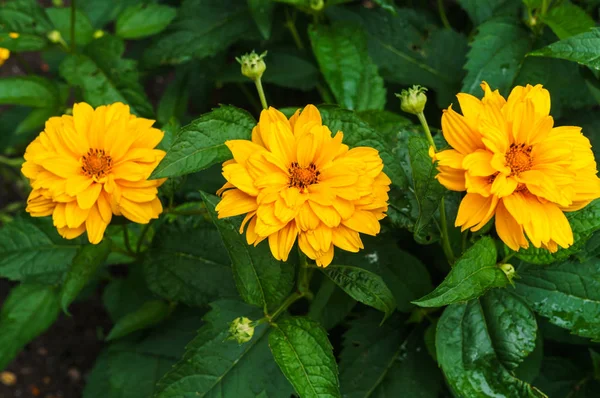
[[294, 180], [516, 165], [241, 330], [86, 167], [253, 65], [413, 100]]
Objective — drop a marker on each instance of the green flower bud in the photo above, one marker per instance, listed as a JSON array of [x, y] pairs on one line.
[[55, 37], [241, 330], [253, 65], [413, 100], [317, 5], [98, 34], [509, 270]]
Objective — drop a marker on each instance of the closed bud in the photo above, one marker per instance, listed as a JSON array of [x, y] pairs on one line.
[[413, 100], [508, 270], [13, 35], [241, 330], [98, 34], [253, 65], [55, 36]]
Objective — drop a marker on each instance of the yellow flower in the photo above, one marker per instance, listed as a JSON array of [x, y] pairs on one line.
[[516, 165], [86, 167], [4, 55], [13, 35], [295, 180]]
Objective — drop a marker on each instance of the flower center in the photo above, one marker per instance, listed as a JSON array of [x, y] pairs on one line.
[[301, 177], [96, 163], [518, 158]]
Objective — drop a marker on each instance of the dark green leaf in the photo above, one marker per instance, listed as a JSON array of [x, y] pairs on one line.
[[262, 12], [31, 91], [568, 294], [123, 296], [85, 264], [529, 369], [201, 144], [303, 352], [34, 122], [596, 363], [387, 123], [496, 56], [341, 51], [150, 313], [467, 353], [472, 275], [25, 42], [330, 305], [213, 367], [27, 312], [174, 101], [61, 19], [261, 280], [561, 377], [24, 16], [144, 20], [101, 12], [364, 286], [582, 48], [566, 20], [481, 11], [386, 361]]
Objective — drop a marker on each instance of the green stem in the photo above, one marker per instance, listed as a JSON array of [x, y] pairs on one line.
[[423, 121], [126, 238], [138, 248], [508, 257], [12, 162], [290, 23], [304, 276], [443, 16], [292, 298], [261, 93], [73, 13]]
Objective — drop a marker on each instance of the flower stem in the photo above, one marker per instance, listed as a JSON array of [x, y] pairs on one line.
[[73, 25], [290, 23], [292, 298], [443, 16], [13, 162], [423, 121], [261, 93], [304, 275], [138, 248], [126, 238]]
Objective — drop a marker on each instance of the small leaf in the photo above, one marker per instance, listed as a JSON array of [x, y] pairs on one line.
[[85, 264], [201, 144], [304, 354], [262, 12], [566, 20], [31, 91], [150, 313], [144, 20], [61, 19], [341, 51], [582, 48], [27, 312], [261, 280], [472, 275]]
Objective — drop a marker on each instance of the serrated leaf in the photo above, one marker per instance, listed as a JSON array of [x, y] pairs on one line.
[[262, 12], [363, 286], [150, 313], [582, 48], [25, 42], [386, 122], [568, 294], [583, 222], [567, 19], [34, 250], [105, 77], [86, 262], [31, 91], [386, 361], [303, 352], [341, 51], [261, 280], [472, 275], [214, 367], [27, 312], [143, 20], [481, 11], [467, 353], [201, 144], [496, 56], [61, 19], [201, 29], [330, 305], [188, 263]]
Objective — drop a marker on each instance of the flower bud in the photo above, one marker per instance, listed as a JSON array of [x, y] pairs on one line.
[[413, 100], [317, 5], [55, 36], [253, 65], [509, 270], [13, 35], [98, 34], [241, 330]]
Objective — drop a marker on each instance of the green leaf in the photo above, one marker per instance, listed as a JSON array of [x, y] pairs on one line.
[[124, 296], [24, 16], [27, 312], [363, 286], [34, 250], [386, 122], [262, 13], [201, 29], [35, 121], [409, 48], [86, 262], [358, 133], [213, 367], [143, 20], [530, 368], [566, 20], [31, 91], [582, 48], [150, 313], [105, 77], [303, 352], [330, 305], [187, 263], [61, 19], [201, 143], [25, 42], [568, 294], [496, 56], [174, 101], [101, 12], [341, 51], [481, 11], [386, 361], [467, 350], [261, 280], [472, 275], [583, 222], [428, 191]]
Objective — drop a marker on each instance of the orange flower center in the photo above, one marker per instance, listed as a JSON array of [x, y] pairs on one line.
[[96, 163], [301, 177], [518, 158]]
